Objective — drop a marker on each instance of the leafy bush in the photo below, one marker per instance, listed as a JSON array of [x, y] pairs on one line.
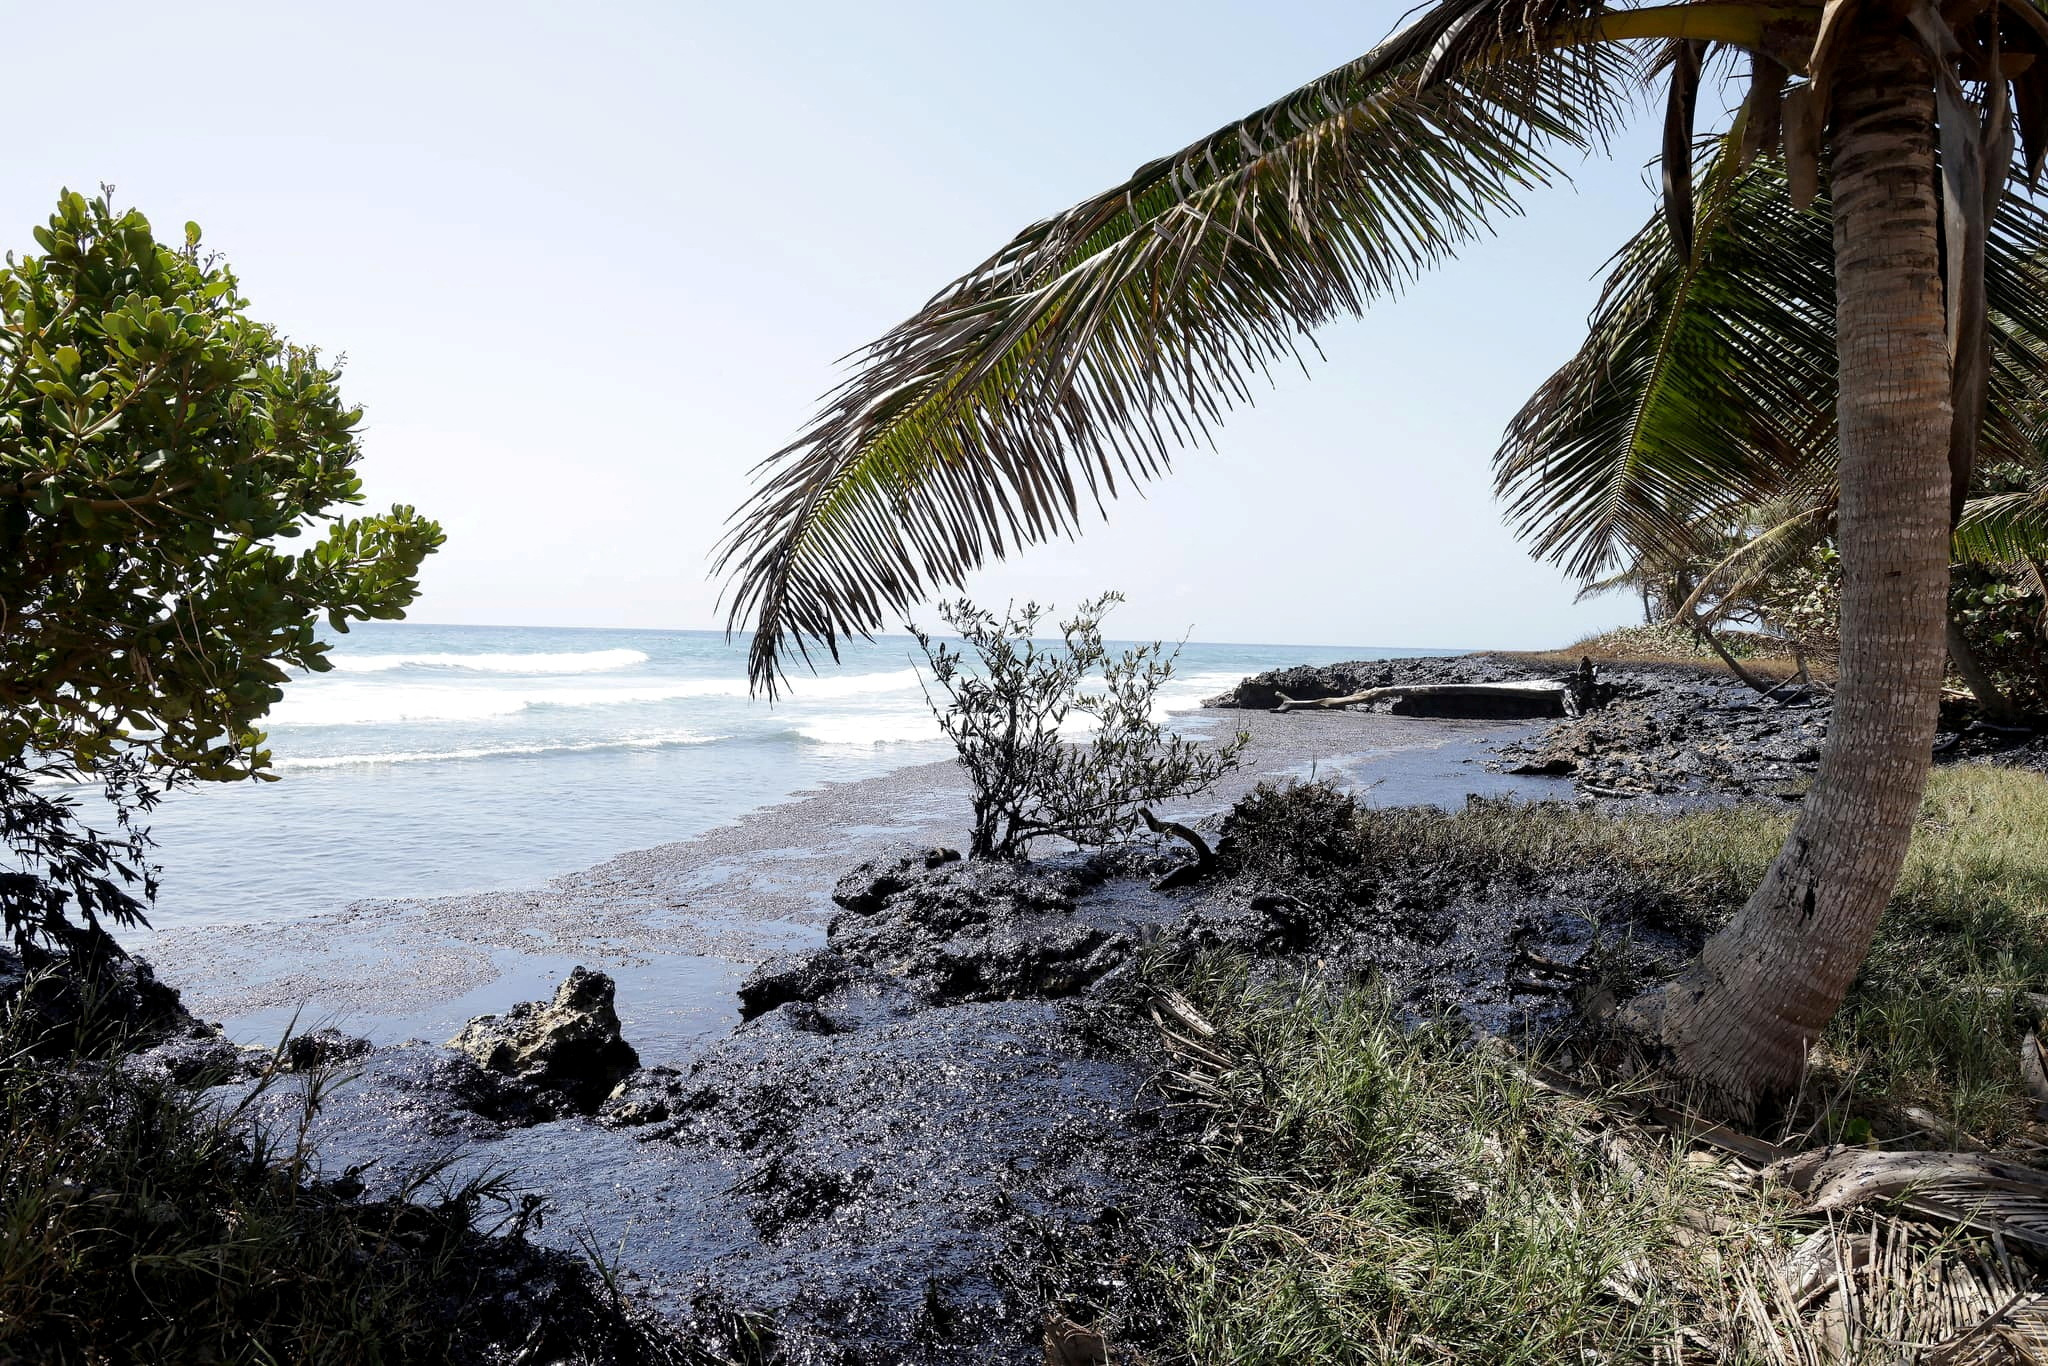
[[63, 866], [160, 451], [1005, 710], [2005, 621]]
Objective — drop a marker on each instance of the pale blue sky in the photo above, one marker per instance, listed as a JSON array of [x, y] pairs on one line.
[[589, 262]]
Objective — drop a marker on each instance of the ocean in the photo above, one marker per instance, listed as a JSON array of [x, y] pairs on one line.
[[444, 759]]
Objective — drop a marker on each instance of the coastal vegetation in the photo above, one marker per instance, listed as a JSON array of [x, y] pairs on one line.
[[146, 1222], [161, 451], [1395, 1189], [1100, 338], [1008, 701], [1687, 453]]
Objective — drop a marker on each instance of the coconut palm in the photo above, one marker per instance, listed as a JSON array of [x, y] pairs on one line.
[[1081, 354], [1690, 442], [1706, 384]]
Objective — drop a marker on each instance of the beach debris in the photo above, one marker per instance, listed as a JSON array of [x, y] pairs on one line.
[[570, 1045], [1513, 698], [1068, 1343], [1205, 857], [2034, 1072], [1883, 1289]]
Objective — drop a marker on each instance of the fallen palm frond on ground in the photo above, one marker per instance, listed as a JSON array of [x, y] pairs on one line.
[[1403, 1194], [1395, 1192]]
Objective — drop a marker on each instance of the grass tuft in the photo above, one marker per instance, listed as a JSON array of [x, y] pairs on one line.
[[1394, 1194], [138, 1223], [1398, 1194]]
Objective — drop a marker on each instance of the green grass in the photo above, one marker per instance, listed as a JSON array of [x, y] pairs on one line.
[[1933, 1022], [1401, 1195], [1396, 1195]]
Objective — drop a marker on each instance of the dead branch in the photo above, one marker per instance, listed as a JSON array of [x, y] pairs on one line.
[[1836, 1177], [1205, 857]]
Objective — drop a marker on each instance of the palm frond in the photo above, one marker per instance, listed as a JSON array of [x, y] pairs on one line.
[[2004, 528], [1707, 381], [1733, 578], [1078, 357]]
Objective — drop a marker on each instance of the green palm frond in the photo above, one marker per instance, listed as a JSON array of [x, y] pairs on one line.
[[1707, 384], [2004, 528], [1077, 358], [1736, 576]]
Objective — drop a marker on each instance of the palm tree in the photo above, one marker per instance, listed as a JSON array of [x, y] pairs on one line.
[[1703, 398], [1084, 351]]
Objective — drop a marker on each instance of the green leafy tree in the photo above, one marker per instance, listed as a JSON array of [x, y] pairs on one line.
[[1008, 698], [1083, 351], [172, 479]]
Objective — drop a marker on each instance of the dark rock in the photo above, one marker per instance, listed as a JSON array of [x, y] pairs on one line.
[[1308, 683], [570, 1046], [980, 931], [1545, 765], [200, 1056], [782, 980], [1534, 704], [872, 882], [321, 1048], [649, 1096], [107, 1004]]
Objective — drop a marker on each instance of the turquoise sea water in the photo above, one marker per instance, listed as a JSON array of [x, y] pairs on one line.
[[439, 759]]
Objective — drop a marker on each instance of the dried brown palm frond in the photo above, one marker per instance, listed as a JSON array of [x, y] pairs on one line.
[[1882, 1291]]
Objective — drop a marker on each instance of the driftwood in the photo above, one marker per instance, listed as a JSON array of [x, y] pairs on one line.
[[1205, 857], [1838, 1178], [1528, 688], [2034, 1073]]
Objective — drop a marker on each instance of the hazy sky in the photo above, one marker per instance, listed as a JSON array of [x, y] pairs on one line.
[[590, 262]]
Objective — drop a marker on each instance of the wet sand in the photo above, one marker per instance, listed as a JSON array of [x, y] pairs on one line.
[[679, 925]]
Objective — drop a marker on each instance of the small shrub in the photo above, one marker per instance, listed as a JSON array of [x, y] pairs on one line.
[[1007, 700]]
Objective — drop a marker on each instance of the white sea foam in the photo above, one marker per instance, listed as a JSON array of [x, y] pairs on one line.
[[359, 702], [543, 662], [426, 756], [869, 728], [1188, 692]]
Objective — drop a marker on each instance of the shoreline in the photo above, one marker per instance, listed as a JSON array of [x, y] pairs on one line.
[[679, 924], [933, 1110]]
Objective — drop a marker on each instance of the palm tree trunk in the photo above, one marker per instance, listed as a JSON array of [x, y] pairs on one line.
[[1741, 1019], [1972, 672]]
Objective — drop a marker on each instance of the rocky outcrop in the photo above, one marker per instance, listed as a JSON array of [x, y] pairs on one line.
[[979, 931], [570, 1046], [804, 978], [321, 1048], [1685, 736], [113, 1003], [869, 883], [1313, 682]]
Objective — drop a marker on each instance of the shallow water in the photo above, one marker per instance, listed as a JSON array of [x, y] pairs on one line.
[[436, 760]]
